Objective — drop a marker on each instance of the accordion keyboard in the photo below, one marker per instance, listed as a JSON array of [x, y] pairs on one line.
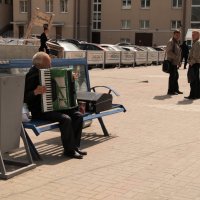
[[45, 76]]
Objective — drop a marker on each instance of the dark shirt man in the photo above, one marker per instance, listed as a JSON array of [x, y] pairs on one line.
[[173, 52], [43, 40], [70, 121], [184, 53]]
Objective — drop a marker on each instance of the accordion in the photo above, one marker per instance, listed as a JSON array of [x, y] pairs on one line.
[[60, 89]]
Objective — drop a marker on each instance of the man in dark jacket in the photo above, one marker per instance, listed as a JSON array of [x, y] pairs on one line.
[[184, 53], [70, 121], [43, 40]]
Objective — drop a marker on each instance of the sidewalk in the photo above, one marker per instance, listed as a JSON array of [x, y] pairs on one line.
[[153, 152]]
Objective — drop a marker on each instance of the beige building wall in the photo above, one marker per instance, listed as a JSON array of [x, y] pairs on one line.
[[160, 14], [5, 14]]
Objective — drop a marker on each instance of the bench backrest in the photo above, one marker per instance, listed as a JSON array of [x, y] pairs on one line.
[[79, 66]]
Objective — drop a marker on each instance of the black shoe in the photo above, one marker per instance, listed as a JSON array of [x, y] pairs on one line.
[[172, 93], [179, 92], [83, 153], [73, 154], [189, 97]]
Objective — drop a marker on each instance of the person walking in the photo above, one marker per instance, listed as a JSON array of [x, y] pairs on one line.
[[173, 52], [43, 40], [184, 53], [194, 66]]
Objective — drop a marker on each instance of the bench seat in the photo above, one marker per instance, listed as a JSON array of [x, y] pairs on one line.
[[39, 126]]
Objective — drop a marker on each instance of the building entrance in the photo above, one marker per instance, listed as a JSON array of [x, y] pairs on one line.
[[144, 39], [96, 38]]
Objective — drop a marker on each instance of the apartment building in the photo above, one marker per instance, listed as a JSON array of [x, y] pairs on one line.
[[142, 22], [70, 21], [6, 15]]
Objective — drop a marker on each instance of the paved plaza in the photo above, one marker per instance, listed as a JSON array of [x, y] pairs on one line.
[[153, 152]]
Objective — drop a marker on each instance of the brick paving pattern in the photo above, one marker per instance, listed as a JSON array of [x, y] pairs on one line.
[[153, 152]]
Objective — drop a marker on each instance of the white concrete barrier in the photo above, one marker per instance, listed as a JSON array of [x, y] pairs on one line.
[[112, 57], [127, 57], [74, 54], [152, 56], [141, 57], [17, 51], [95, 57], [161, 56]]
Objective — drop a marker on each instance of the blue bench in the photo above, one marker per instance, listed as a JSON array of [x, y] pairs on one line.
[[38, 126]]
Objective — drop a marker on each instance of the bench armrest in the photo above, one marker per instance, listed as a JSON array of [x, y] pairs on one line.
[[109, 88]]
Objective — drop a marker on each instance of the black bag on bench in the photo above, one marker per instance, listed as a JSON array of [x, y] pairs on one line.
[[95, 102]]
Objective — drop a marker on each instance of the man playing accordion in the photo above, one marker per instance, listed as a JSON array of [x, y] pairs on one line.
[[70, 120]]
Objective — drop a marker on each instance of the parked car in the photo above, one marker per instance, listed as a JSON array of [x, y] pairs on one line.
[[91, 46], [73, 41], [123, 44], [112, 47], [58, 47]]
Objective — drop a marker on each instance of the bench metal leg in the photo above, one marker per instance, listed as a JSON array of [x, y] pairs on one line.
[[2, 166], [23, 166], [34, 153], [26, 146], [103, 127]]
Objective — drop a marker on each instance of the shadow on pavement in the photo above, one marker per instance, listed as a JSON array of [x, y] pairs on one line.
[[51, 150], [185, 102], [162, 97]]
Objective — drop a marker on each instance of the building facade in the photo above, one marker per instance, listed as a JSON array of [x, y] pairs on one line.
[[6, 15], [141, 22], [70, 21]]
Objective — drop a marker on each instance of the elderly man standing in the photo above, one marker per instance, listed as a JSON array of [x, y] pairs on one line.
[[194, 65], [173, 52], [70, 121]]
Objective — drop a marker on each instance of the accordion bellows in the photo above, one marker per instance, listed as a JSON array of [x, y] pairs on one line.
[[60, 89]]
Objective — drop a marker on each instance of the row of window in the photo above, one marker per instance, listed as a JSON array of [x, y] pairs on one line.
[[5, 1], [145, 24], [146, 3], [23, 6]]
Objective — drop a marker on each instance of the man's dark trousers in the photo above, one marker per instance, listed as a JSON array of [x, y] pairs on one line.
[[70, 123], [195, 84], [173, 79]]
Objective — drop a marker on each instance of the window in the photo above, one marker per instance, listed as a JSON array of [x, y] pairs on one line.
[[126, 4], [195, 14], [145, 3], [23, 6], [126, 24], [6, 1], [175, 24], [176, 3], [144, 24], [196, 2], [96, 17], [49, 5], [63, 5], [195, 25]]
